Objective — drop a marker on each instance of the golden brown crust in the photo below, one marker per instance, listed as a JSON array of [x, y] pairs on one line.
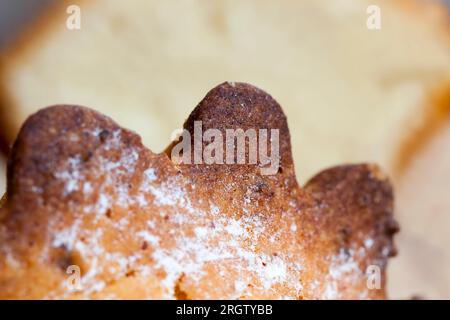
[[359, 200], [83, 191]]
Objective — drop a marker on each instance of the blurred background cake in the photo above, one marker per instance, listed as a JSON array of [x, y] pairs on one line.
[[352, 91]]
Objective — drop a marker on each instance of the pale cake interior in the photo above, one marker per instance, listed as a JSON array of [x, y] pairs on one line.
[[350, 94], [424, 238]]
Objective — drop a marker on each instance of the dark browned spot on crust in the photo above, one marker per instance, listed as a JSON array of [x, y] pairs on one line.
[[179, 293], [64, 258], [130, 273]]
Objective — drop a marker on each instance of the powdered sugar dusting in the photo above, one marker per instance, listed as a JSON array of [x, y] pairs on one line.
[[342, 266], [224, 241], [72, 176]]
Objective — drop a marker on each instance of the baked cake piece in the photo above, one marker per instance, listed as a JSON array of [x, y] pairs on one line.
[[84, 192], [332, 74]]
